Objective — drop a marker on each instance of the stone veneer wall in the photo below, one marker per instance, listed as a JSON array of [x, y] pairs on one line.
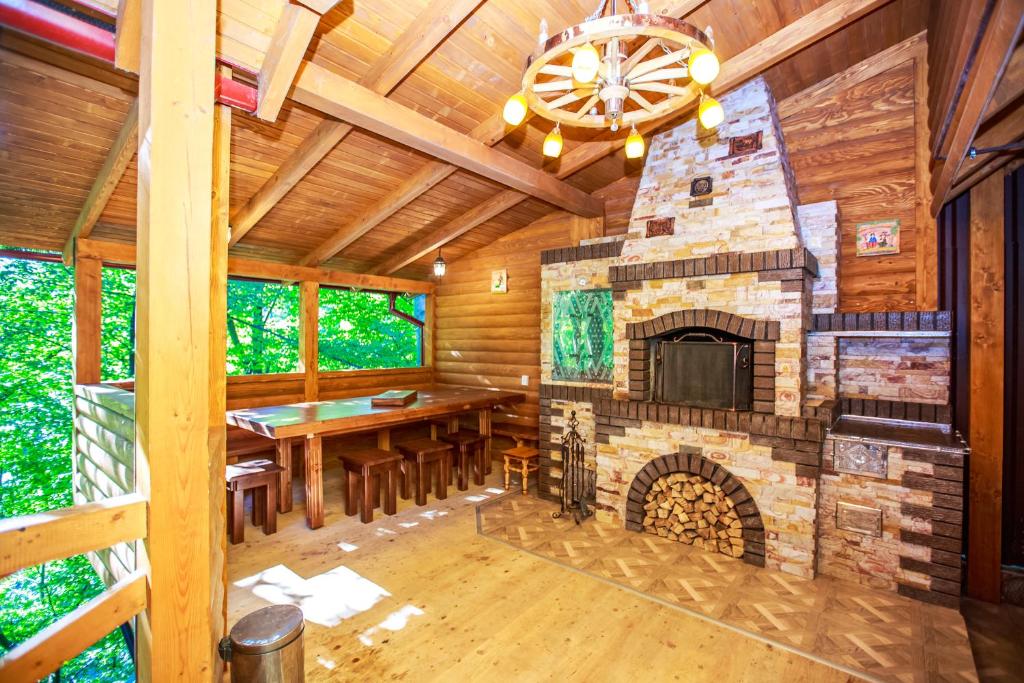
[[921, 503], [895, 369]]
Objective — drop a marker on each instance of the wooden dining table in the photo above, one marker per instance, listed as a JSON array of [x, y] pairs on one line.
[[315, 420]]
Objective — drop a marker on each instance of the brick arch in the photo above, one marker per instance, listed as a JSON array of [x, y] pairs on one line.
[[749, 328], [690, 461]]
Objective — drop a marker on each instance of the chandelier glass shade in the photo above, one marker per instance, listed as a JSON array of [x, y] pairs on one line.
[[614, 71]]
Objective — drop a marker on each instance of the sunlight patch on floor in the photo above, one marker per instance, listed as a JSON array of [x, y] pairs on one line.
[[395, 621], [477, 498], [348, 547], [325, 599], [433, 514], [495, 491]]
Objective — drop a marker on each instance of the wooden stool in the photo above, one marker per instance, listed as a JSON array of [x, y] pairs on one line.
[[470, 446], [252, 476], [368, 468], [423, 454], [524, 455]]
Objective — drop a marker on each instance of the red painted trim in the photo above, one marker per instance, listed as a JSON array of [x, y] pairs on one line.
[[235, 94], [61, 29], [54, 27]]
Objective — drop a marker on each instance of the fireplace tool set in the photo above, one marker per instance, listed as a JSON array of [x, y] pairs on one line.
[[578, 481]]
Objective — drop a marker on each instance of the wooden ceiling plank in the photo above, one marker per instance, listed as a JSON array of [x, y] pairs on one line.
[[1009, 129], [339, 97], [127, 33], [451, 230], [319, 6], [489, 132], [418, 41], [287, 46], [103, 187], [1001, 34], [810, 28], [1010, 88]]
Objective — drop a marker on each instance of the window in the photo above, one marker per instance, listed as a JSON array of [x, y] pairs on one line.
[[118, 330], [362, 330], [263, 327]]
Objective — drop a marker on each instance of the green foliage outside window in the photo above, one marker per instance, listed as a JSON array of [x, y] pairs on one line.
[[36, 308], [357, 331], [263, 327], [118, 329], [582, 335]]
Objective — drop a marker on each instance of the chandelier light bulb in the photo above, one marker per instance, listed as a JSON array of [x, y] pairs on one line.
[[704, 66], [440, 267], [515, 109], [710, 112], [634, 144], [585, 63], [553, 143]]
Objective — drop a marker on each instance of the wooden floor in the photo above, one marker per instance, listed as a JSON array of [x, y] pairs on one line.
[[876, 633], [422, 596], [997, 638]]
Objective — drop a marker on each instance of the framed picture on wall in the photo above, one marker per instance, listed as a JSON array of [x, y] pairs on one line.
[[876, 238], [499, 281]]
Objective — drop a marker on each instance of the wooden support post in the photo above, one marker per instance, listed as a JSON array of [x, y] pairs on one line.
[[926, 282], [176, 636], [485, 430], [219, 229], [309, 338], [88, 321], [984, 536]]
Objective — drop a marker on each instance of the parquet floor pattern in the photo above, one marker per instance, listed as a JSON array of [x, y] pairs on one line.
[[882, 634]]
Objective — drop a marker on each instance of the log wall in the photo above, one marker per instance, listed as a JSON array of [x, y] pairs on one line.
[[492, 340], [104, 462]]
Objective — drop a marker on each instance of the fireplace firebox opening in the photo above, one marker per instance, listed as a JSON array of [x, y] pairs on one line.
[[703, 368]]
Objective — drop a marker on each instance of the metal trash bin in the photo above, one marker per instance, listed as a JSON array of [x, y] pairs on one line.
[[266, 646]]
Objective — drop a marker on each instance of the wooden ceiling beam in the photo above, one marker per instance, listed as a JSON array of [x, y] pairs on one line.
[[120, 253], [127, 33], [428, 31], [337, 96], [291, 37], [120, 155], [1008, 129], [1001, 34], [810, 28], [490, 132], [319, 6]]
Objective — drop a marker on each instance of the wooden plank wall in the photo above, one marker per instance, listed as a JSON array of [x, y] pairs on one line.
[[104, 463], [860, 138], [492, 340]]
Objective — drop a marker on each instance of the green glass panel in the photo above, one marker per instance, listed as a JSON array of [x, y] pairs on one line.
[[582, 335]]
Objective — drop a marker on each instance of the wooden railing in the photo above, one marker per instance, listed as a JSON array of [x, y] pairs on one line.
[[31, 540]]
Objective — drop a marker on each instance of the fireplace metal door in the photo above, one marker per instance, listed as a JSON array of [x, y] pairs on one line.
[[703, 371]]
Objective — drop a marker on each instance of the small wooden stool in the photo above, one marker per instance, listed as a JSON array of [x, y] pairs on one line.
[[252, 476], [424, 455], [525, 456], [470, 447], [369, 468]]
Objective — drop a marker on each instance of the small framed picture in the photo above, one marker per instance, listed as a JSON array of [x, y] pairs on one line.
[[499, 281], [876, 238]]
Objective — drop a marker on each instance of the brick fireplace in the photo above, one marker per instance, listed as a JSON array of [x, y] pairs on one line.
[[719, 251]]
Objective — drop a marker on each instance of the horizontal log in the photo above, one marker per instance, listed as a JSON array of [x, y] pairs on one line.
[[30, 540], [43, 653]]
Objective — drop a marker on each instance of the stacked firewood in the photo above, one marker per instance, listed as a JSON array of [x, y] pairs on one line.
[[689, 508]]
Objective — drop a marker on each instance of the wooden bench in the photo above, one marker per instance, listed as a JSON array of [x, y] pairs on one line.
[[520, 433], [422, 455], [260, 477], [367, 469], [469, 448], [243, 444]]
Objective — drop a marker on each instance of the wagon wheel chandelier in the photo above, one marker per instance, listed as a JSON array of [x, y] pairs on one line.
[[616, 71]]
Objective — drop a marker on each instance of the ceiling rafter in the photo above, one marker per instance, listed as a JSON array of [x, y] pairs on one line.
[[417, 42], [291, 37], [490, 132], [114, 166], [337, 96], [809, 29]]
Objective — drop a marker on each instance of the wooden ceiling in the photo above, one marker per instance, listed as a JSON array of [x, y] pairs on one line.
[[60, 114]]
